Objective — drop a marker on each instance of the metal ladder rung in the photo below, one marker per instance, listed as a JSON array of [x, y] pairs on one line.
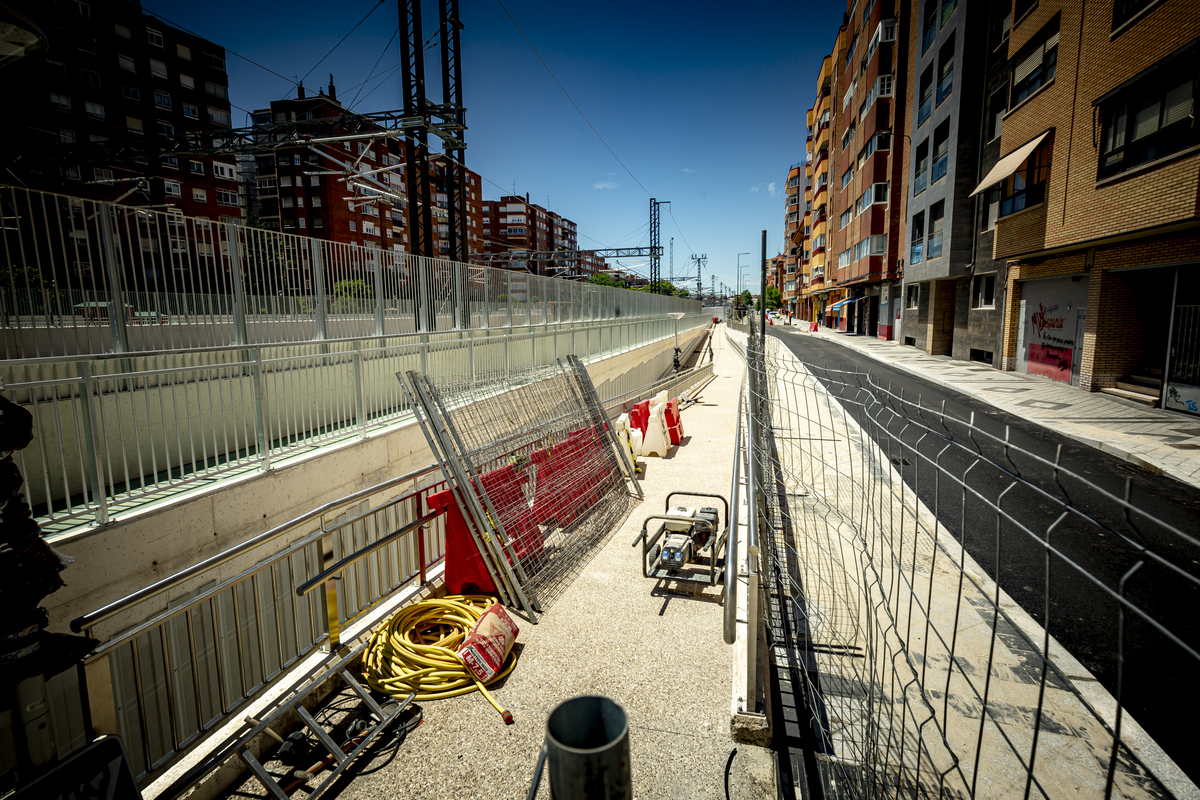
[[358, 688], [338, 753], [265, 778]]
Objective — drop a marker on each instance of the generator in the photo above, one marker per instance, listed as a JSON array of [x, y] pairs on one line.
[[688, 544]]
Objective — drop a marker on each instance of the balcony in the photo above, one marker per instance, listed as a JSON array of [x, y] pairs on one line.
[[916, 253], [920, 182], [945, 85], [940, 166], [935, 246], [927, 39], [925, 109]]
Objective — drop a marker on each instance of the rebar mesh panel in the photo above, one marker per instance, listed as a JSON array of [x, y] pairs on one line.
[[539, 443]]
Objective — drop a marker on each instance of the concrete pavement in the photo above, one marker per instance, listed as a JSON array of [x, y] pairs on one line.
[[1160, 441]]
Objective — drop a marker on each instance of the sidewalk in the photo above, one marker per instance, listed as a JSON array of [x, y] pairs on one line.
[[1160, 441], [656, 650]]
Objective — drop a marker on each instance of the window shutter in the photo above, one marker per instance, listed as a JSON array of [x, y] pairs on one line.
[[1179, 104], [1051, 42], [1027, 66], [1145, 122]]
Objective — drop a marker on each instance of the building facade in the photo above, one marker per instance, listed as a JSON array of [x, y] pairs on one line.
[[1095, 198], [115, 88]]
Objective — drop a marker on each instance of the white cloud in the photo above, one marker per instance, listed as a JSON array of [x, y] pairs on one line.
[[756, 189], [688, 170], [771, 189], [604, 185]]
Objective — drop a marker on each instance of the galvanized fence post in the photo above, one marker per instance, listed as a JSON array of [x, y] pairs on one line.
[[118, 318], [260, 410], [374, 255], [92, 443], [239, 287], [426, 318], [318, 267], [487, 297], [360, 408]]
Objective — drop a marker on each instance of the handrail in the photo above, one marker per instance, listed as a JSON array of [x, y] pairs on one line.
[[92, 618], [359, 554], [731, 548]]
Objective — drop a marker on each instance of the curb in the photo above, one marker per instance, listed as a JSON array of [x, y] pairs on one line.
[[1105, 447]]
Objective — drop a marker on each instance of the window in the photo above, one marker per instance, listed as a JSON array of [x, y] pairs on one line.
[[102, 174], [847, 135], [170, 162], [1150, 118], [285, 180], [89, 77], [945, 70], [226, 198], [847, 215], [173, 188], [162, 100], [94, 109], [847, 176], [314, 180], [199, 195], [158, 69], [133, 125], [61, 101], [1034, 65], [1021, 9], [122, 31], [926, 96], [843, 259], [226, 171], [86, 43], [999, 104], [941, 151], [165, 128], [127, 63], [353, 225], [197, 167], [183, 52], [318, 222], [216, 89], [95, 138], [301, 222], [929, 26], [56, 69], [921, 170], [186, 81], [916, 248], [983, 291], [937, 215], [287, 202], [218, 116], [65, 136], [316, 202], [191, 110], [155, 37], [1027, 186], [213, 60], [131, 93], [300, 202], [948, 7], [912, 295]]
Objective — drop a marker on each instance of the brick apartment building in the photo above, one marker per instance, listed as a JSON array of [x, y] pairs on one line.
[[867, 195], [114, 87], [1096, 197], [515, 223], [291, 194], [953, 289], [792, 223]]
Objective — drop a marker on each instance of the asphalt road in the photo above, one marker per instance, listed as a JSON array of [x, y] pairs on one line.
[[1159, 686]]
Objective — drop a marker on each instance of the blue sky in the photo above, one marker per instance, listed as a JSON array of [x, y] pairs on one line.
[[703, 102]]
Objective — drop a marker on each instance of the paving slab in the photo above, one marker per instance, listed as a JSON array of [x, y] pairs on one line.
[[1161, 441]]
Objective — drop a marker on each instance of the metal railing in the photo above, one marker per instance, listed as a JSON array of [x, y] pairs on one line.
[[168, 672], [83, 277], [115, 431], [930, 579]]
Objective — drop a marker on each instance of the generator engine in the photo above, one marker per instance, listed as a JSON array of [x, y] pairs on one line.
[[683, 541]]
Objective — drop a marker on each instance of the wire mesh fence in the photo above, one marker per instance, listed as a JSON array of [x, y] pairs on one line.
[[538, 448], [923, 574], [83, 277]]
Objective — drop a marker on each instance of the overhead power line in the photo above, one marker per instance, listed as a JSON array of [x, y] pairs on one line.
[[344, 38], [568, 94]]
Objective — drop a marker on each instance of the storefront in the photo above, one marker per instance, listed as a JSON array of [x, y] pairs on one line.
[[1053, 314]]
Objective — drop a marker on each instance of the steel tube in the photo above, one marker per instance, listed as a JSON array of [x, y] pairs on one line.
[[731, 548], [358, 555]]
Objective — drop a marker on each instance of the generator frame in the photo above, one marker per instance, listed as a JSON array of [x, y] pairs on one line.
[[715, 560]]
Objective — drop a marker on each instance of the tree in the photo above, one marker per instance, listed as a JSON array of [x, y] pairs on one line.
[[351, 295], [607, 280], [664, 287], [746, 298], [774, 297]]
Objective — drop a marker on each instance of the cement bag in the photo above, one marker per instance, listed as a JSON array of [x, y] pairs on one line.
[[489, 643]]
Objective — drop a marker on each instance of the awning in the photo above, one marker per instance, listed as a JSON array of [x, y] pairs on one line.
[[1008, 165], [840, 303]]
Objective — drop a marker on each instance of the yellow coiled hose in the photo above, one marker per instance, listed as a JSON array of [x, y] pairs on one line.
[[415, 651]]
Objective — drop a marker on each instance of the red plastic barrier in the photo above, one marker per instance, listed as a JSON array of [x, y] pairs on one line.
[[812, 327], [465, 570], [674, 423]]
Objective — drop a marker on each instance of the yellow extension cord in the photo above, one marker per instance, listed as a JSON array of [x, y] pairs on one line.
[[415, 651]]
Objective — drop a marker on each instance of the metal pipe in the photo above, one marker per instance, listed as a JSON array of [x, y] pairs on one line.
[[358, 555], [731, 549], [87, 621]]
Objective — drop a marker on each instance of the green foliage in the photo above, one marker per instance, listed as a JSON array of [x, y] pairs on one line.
[[607, 280], [774, 297], [29, 283], [664, 287], [352, 295]]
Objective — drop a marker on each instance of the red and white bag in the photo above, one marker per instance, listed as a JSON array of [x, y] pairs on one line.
[[489, 643]]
